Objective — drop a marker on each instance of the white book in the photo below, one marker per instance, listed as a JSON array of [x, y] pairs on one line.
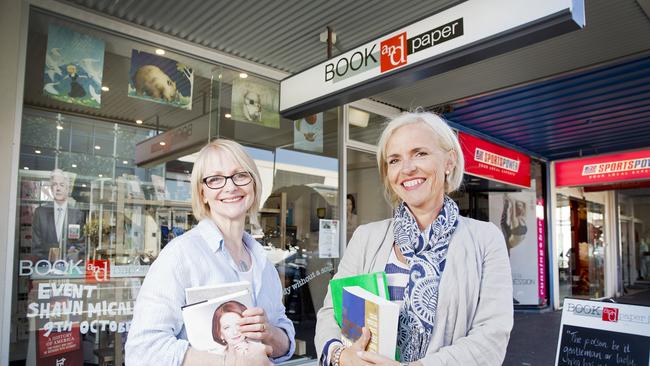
[[202, 293], [211, 325], [362, 308]]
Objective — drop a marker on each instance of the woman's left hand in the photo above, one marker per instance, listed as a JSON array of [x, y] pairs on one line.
[[374, 359], [255, 325]]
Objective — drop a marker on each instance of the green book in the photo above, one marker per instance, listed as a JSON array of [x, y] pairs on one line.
[[373, 282]]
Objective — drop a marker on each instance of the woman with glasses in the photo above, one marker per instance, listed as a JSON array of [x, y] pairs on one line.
[[450, 274], [226, 188]]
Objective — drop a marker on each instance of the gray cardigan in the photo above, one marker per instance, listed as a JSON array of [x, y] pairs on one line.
[[474, 315]]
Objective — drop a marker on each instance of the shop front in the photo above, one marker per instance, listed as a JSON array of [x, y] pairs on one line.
[[111, 123], [601, 246]]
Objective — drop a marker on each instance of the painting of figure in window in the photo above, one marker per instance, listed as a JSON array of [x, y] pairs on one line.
[[74, 64]]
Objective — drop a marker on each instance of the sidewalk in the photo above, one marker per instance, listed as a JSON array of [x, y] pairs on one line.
[[533, 341]]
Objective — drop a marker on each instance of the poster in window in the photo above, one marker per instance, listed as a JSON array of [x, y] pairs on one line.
[[308, 133], [255, 102], [160, 79], [515, 214], [74, 64]]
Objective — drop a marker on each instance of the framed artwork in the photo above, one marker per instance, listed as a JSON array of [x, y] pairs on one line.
[[255, 102], [308, 133], [160, 79], [74, 65]]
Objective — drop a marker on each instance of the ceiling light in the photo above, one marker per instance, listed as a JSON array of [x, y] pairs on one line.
[[138, 121], [358, 117], [37, 151], [220, 76], [97, 147], [160, 51], [26, 168], [100, 175], [74, 165], [125, 162], [59, 127], [243, 75], [84, 185], [227, 115], [163, 143], [105, 88]]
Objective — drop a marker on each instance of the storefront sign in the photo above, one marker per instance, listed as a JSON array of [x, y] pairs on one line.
[[176, 142], [491, 161], [463, 34], [620, 167], [598, 333]]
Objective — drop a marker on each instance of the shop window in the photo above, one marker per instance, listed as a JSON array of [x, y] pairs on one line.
[[120, 215]]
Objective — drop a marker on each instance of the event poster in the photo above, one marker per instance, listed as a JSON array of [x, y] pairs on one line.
[[328, 239], [308, 133], [161, 80], [515, 214], [74, 64], [255, 102]]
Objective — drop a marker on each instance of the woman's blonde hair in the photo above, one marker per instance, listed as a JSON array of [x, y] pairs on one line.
[[445, 140], [201, 209]]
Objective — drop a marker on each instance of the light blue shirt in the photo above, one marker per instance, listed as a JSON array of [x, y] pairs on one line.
[[197, 258]]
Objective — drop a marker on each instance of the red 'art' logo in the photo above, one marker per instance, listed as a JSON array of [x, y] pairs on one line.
[[610, 314], [98, 270], [393, 52]]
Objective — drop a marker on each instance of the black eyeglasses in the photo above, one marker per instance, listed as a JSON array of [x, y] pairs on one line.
[[219, 181]]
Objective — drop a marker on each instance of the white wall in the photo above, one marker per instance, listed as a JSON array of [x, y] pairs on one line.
[[11, 74]]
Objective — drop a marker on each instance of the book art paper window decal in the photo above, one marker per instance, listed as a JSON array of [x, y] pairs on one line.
[[161, 80], [74, 64]]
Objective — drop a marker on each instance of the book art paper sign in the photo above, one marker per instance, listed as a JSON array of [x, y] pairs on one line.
[[328, 239], [308, 133], [161, 80], [74, 64], [255, 102]]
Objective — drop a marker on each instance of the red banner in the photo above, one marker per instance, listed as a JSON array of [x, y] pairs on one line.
[[491, 161], [612, 168], [541, 253]]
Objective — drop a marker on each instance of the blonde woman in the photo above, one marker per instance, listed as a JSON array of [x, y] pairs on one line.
[[226, 188], [450, 274]]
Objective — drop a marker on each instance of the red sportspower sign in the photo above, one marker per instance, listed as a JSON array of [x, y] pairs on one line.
[[491, 161], [611, 168]]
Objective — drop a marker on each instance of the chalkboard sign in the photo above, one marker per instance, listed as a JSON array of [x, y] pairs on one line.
[[596, 333]]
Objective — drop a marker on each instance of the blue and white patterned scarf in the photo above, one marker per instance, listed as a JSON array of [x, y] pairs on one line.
[[426, 253]]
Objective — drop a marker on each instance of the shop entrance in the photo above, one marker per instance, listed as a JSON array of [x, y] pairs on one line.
[[634, 219], [581, 248]]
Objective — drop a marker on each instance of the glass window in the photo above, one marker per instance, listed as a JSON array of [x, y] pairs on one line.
[[581, 254], [80, 267]]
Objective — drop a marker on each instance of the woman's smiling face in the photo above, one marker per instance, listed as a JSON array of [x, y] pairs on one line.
[[231, 202], [229, 323], [416, 166]]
